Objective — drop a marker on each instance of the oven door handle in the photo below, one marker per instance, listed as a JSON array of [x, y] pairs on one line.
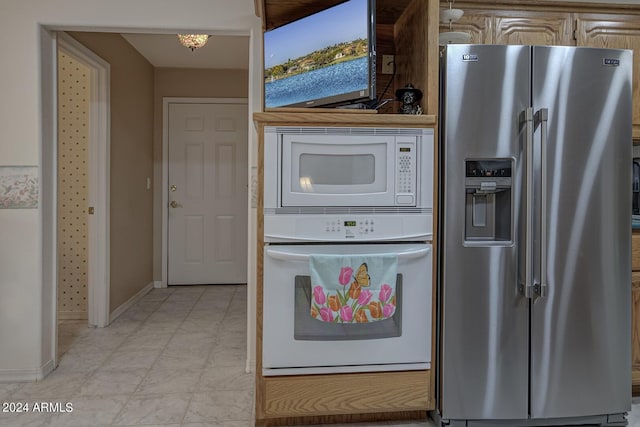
[[402, 255]]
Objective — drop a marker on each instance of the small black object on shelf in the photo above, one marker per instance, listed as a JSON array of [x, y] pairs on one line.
[[409, 96]]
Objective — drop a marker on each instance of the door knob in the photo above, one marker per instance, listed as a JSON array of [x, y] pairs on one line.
[[173, 204]]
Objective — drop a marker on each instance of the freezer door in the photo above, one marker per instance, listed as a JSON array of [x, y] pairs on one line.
[[581, 351], [485, 329]]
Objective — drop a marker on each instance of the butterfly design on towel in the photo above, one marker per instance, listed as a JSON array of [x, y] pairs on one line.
[[361, 278]]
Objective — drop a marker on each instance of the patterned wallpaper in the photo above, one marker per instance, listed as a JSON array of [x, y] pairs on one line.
[[73, 138]]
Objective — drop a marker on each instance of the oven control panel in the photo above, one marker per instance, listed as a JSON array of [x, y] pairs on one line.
[[350, 227], [343, 228]]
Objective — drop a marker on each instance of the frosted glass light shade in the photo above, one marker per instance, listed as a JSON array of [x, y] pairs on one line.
[[193, 41], [450, 15], [454, 37]]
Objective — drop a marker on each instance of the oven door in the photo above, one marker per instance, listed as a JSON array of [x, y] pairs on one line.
[[343, 170], [295, 343]]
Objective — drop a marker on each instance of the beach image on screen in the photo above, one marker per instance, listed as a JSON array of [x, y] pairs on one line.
[[318, 57]]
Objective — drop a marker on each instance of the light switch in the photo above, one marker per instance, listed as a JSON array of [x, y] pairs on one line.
[[148, 183]]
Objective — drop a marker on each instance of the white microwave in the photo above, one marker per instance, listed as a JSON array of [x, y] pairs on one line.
[[348, 167]]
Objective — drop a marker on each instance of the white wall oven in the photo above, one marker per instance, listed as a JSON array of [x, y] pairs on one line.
[[296, 343], [347, 257]]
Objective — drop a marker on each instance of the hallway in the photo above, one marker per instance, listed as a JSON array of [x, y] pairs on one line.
[[176, 357]]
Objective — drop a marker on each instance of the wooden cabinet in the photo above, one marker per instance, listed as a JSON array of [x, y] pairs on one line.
[[476, 22], [635, 311], [533, 28], [617, 32], [330, 398], [515, 27]]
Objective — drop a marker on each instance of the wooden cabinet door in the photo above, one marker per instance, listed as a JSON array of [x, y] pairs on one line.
[[515, 27], [617, 32], [533, 28], [635, 331], [635, 311], [478, 23]]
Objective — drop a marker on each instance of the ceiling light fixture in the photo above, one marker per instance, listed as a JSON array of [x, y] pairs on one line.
[[450, 16], [193, 41]]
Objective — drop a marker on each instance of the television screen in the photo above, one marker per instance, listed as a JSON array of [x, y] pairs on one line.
[[324, 58]]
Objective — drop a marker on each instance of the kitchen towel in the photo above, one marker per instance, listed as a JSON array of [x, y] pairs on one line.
[[353, 288]]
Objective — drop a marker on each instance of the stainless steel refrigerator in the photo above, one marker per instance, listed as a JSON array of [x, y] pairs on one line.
[[535, 278]]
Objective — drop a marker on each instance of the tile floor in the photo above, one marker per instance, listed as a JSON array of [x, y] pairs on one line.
[[177, 358]]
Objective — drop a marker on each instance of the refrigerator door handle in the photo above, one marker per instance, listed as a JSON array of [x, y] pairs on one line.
[[526, 288], [542, 289]]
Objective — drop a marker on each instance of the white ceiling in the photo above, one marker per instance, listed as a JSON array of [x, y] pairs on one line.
[[164, 50]]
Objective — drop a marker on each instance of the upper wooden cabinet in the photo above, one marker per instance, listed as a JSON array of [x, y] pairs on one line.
[[515, 27], [476, 22], [617, 32], [533, 28]]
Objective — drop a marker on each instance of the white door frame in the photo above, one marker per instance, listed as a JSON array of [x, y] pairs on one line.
[[99, 163], [165, 167]]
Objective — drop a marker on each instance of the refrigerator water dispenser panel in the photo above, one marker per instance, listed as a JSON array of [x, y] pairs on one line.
[[488, 188]]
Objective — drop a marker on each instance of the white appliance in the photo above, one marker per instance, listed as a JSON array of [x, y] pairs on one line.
[[347, 184], [295, 343], [353, 192]]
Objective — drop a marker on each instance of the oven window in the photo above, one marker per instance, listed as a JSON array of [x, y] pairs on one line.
[[336, 169], [306, 328]]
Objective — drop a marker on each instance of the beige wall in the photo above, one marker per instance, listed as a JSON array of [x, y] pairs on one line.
[[131, 204], [185, 83], [74, 93]]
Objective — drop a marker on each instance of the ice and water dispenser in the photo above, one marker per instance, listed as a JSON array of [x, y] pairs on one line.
[[489, 189]]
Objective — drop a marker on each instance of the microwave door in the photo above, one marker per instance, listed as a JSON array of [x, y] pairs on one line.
[[349, 171]]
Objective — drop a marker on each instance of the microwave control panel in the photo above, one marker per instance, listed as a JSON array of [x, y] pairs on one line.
[[405, 171]]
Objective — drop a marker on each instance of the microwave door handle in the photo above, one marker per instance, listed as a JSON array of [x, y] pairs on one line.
[[289, 256]]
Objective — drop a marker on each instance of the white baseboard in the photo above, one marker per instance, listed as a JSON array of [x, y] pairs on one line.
[[18, 375], [26, 375], [158, 284], [45, 370], [131, 301], [250, 366], [73, 315]]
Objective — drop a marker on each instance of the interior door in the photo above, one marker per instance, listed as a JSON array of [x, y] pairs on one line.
[[580, 333], [207, 219]]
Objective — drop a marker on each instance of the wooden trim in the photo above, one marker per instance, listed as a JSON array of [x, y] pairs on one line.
[[380, 417], [546, 5], [345, 394], [635, 252], [319, 110], [259, 383], [333, 118]]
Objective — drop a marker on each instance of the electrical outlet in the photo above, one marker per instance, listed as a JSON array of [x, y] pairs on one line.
[[387, 64]]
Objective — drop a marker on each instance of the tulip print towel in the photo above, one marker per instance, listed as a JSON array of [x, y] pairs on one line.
[[353, 289]]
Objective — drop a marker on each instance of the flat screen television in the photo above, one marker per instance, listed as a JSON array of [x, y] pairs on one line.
[[327, 58]]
